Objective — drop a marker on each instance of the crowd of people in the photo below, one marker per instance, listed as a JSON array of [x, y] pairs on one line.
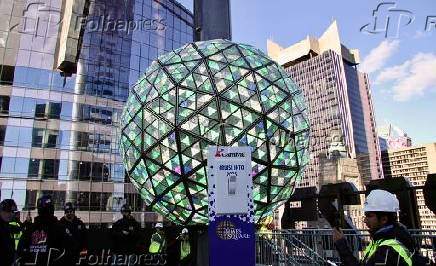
[[49, 241]]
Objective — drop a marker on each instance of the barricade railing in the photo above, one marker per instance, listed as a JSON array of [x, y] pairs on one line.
[[316, 246], [282, 248]]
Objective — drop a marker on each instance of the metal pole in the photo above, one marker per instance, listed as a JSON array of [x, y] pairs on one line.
[[212, 20]]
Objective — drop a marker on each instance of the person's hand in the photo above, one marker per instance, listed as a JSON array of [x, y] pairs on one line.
[[125, 232], [337, 235]]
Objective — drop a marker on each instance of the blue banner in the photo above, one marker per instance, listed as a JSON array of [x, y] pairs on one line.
[[232, 241]]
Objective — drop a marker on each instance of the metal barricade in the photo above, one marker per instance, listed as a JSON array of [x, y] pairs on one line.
[[316, 246], [283, 248]]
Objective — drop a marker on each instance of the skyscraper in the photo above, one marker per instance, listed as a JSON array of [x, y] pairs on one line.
[[338, 98], [66, 68], [415, 163]]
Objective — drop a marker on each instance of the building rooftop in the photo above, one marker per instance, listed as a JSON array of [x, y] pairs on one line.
[[330, 40]]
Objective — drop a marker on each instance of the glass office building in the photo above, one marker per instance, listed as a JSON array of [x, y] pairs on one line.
[[66, 68]]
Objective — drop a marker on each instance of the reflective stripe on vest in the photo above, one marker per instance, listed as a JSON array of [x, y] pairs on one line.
[[17, 236], [394, 244], [185, 249]]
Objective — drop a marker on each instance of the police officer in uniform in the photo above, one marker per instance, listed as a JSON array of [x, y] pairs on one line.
[[16, 228], [76, 234], [7, 245], [44, 241], [125, 233], [391, 243]]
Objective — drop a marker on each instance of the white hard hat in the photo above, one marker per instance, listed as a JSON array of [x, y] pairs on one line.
[[158, 225], [185, 231], [381, 201]]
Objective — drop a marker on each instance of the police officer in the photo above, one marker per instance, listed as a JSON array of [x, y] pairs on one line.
[[158, 243], [76, 234], [7, 246], [125, 233], [391, 243], [16, 228], [185, 248], [44, 241]]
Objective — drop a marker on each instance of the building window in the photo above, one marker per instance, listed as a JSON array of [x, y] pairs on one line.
[[50, 169], [37, 137], [52, 139], [84, 170], [2, 135], [55, 110], [50, 110], [6, 75], [34, 168], [4, 104], [40, 110]]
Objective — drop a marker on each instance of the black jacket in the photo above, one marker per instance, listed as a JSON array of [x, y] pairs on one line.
[[125, 235], [43, 242], [384, 255], [76, 235], [7, 245]]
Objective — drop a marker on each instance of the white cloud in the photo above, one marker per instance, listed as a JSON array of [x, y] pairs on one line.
[[392, 73], [378, 56], [419, 34], [411, 78]]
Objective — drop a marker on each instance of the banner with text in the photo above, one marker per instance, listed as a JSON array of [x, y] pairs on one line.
[[231, 209]]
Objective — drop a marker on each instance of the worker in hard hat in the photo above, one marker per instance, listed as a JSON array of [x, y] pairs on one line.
[[158, 243], [391, 243], [185, 248]]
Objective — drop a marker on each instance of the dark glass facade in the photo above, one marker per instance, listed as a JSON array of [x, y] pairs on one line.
[[59, 132]]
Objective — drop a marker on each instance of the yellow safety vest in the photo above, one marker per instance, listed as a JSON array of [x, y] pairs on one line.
[[17, 236], [155, 246], [393, 243], [185, 249]]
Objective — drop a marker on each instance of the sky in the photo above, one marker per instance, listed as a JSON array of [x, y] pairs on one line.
[[401, 60]]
